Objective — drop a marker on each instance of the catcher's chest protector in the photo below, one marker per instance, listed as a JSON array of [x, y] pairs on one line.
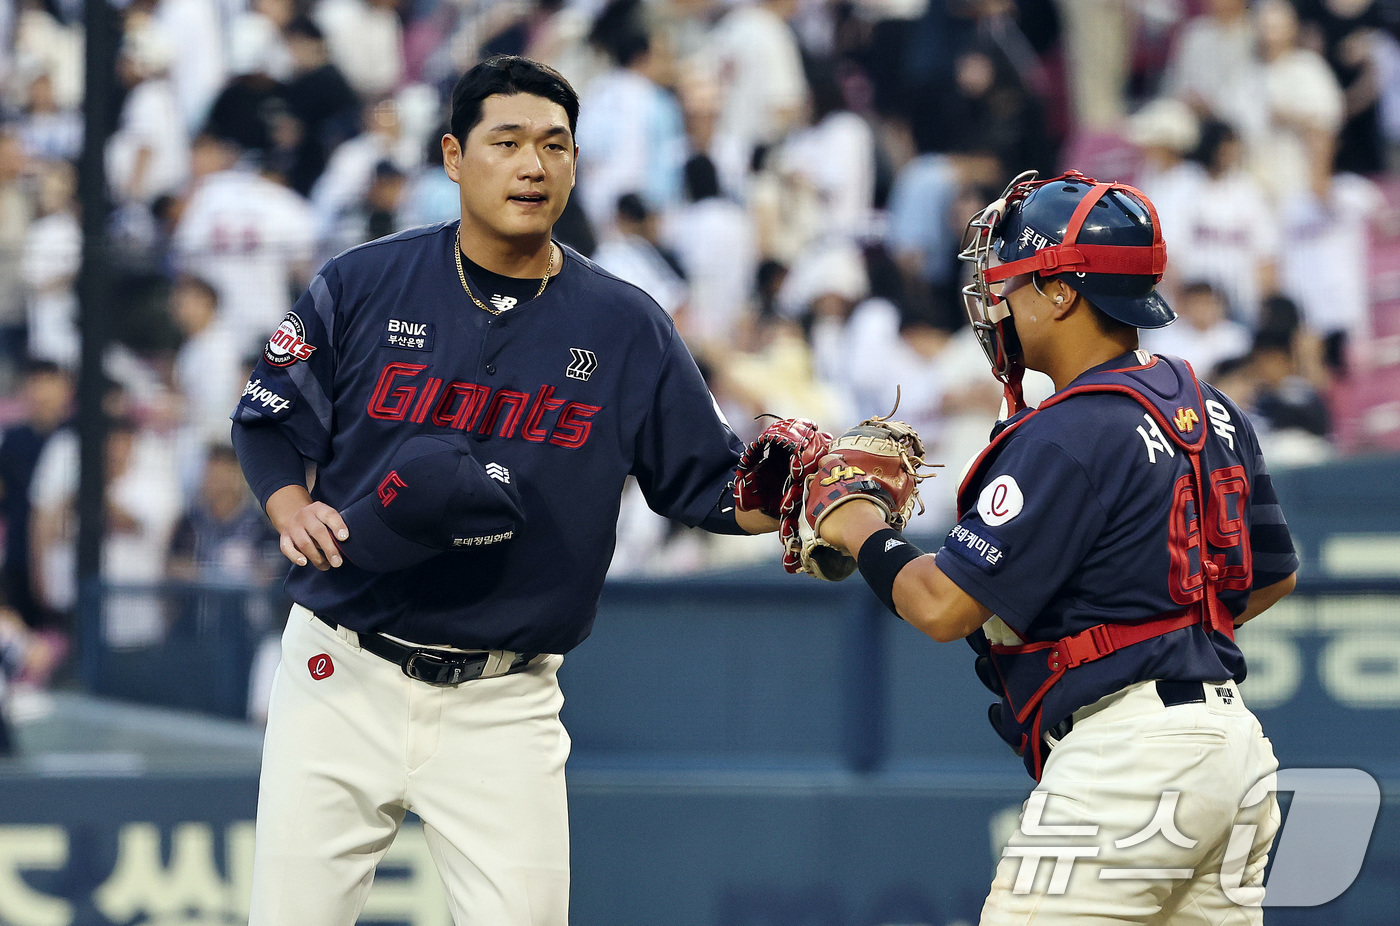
[[1027, 671]]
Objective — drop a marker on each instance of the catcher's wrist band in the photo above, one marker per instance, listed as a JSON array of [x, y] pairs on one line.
[[880, 559]]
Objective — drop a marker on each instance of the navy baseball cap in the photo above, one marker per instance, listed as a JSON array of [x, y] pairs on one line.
[[432, 497]]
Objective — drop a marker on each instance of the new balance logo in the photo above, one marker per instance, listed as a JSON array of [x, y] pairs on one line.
[[583, 365], [892, 543], [503, 303], [498, 472]]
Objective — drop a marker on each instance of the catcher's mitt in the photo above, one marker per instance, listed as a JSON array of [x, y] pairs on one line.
[[786, 453], [877, 460]]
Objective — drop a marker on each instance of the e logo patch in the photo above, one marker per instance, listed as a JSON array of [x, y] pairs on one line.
[[320, 666], [1000, 501]]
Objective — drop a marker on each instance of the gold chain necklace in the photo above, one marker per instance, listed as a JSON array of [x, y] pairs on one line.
[[462, 275]]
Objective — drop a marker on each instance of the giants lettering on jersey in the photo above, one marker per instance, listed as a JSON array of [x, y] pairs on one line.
[[403, 393]]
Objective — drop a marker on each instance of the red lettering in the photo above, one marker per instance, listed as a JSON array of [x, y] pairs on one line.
[[425, 402], [999, 494], [1229, 496], [389, 487], [468, 410], [543, 404], [289, 342], [389, 402], [517, 402], [573, 427], [1227, 543], [399, 396]]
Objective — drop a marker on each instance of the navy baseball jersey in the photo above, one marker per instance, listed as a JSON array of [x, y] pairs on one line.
[[1084, 514], [566, 395]]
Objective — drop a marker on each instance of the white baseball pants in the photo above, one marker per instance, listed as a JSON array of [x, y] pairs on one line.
[[1122, 796], [350, 750]]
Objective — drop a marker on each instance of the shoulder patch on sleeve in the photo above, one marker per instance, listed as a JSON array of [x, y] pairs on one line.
[[262, 398], [1000, 501], [288, 343], [977, 545]]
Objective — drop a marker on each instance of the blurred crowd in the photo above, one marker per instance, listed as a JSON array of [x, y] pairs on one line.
[[789, 179]]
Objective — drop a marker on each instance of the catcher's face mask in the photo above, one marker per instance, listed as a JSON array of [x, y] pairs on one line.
[[985, 296]]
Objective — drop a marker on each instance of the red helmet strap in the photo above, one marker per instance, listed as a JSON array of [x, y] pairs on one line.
[[1081, 212], [1092, 258]]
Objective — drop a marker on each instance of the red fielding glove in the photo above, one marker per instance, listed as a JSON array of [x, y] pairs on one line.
[[786, 453]]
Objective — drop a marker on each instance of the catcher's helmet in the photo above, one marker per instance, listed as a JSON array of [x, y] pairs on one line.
[[1101, 239]]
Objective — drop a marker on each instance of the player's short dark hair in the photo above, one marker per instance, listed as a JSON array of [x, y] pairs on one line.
[[508, 75]]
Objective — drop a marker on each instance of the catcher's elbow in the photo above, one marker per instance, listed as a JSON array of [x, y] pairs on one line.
[[943, 631], [925, 614]]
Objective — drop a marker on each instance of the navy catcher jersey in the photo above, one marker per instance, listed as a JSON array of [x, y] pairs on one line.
[[569, 393], [1084, 515]]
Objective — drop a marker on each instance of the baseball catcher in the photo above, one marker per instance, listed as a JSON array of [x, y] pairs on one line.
[[1109, 543]]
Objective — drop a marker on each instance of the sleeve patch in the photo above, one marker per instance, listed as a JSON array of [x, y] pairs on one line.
[[1000, 501], [978, 546], [288, 343], [256, 395]]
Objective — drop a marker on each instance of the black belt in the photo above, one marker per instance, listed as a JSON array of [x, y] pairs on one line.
[[433, 666], [1171, 692]]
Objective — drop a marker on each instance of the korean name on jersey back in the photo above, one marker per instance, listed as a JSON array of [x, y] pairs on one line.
[[288, 343], [409, 392]]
